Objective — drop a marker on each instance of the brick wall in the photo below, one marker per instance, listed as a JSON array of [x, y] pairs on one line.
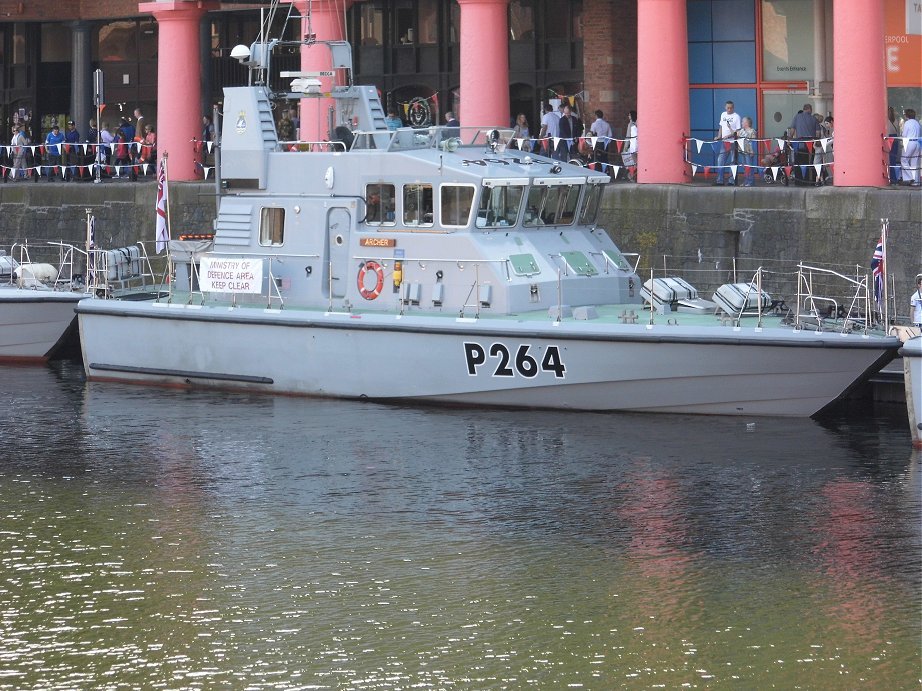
[[610, 58]]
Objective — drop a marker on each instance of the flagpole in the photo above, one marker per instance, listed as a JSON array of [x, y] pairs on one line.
[[166, 184], [169, 226], [884, 227], [89, 231]]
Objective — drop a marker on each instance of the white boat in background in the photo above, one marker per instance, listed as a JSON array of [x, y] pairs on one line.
[[912, 378], [36, 306], [445, 265]]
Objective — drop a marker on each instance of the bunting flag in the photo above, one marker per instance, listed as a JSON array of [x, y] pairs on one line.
[[733, 170], [700, 143], [775, 170], [694, 169], [818, 167]]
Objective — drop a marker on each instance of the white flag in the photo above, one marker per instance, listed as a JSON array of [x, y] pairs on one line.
[[163, 193]]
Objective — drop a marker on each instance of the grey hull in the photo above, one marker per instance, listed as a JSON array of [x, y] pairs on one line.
[[502, 362], [912, 371], [33, 322]]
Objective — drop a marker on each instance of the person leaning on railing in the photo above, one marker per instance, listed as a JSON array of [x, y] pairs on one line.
[[804, 127]]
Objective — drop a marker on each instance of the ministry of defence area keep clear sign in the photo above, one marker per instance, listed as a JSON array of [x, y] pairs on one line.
[[229, 275]]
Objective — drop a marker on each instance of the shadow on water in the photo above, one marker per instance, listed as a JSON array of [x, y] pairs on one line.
[[294, 541]]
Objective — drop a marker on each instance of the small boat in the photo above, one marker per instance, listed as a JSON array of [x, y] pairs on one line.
[[446, 265], [36, 306], [912, 378]]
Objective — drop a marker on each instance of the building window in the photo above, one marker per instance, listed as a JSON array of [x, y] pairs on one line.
[[428, 21], [147, 39], [522, 20], [271, 226], [787, 40], [563, 20], [118, 41], [380, 203], [454, 23], [56, 43], [371, 30], [19, 43]]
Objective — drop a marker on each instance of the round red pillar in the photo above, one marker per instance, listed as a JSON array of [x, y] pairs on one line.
[[326, 23], [484, 63], [860, 101], [663, 114], [179, 64]]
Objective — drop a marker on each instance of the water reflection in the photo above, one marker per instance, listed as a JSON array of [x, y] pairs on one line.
[[157, 537]]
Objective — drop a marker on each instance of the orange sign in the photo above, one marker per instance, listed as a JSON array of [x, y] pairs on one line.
[[903, 42], [377, 242]]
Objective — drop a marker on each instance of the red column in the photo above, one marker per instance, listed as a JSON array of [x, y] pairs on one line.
[[484, 63], [179, 64], [662, 90], [860, 102], [326, 23]]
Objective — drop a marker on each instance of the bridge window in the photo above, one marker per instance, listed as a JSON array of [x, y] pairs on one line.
[[590, 207], [271, 226], [456, 202], [552, 205], [380, 204], [417, 205], [499, 206]]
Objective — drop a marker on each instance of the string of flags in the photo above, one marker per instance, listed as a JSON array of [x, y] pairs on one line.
[[571, 100], [84, 148], [759, 170], [197, 146], [823, 144], [905, 140], [591, 141], [74, 170]]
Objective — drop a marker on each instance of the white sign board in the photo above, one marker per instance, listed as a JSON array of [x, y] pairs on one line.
[[230, 275]]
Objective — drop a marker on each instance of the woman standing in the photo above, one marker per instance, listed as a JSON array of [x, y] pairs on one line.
[[746, 135], [629, 155], [520, 132]]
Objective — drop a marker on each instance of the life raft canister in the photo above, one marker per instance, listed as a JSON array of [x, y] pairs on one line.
[[379, 282]]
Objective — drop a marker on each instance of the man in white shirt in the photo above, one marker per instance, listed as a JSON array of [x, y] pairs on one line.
[[601, 129], [550, 127], [727, 128], [915, 301]]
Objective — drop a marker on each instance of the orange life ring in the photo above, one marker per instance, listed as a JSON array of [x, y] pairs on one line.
[[379, 285]]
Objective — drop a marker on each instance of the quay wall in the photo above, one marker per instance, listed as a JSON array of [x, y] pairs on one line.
[[684, 227]]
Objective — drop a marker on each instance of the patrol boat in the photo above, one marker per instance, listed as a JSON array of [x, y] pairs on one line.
[[444, 265]]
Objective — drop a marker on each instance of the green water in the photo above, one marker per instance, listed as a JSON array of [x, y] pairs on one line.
[[158, 539]]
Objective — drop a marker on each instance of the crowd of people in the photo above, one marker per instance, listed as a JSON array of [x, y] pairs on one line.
[[121, 151], [563, 136]]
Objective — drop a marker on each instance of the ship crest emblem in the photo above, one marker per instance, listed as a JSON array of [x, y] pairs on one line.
[[241, 124]]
